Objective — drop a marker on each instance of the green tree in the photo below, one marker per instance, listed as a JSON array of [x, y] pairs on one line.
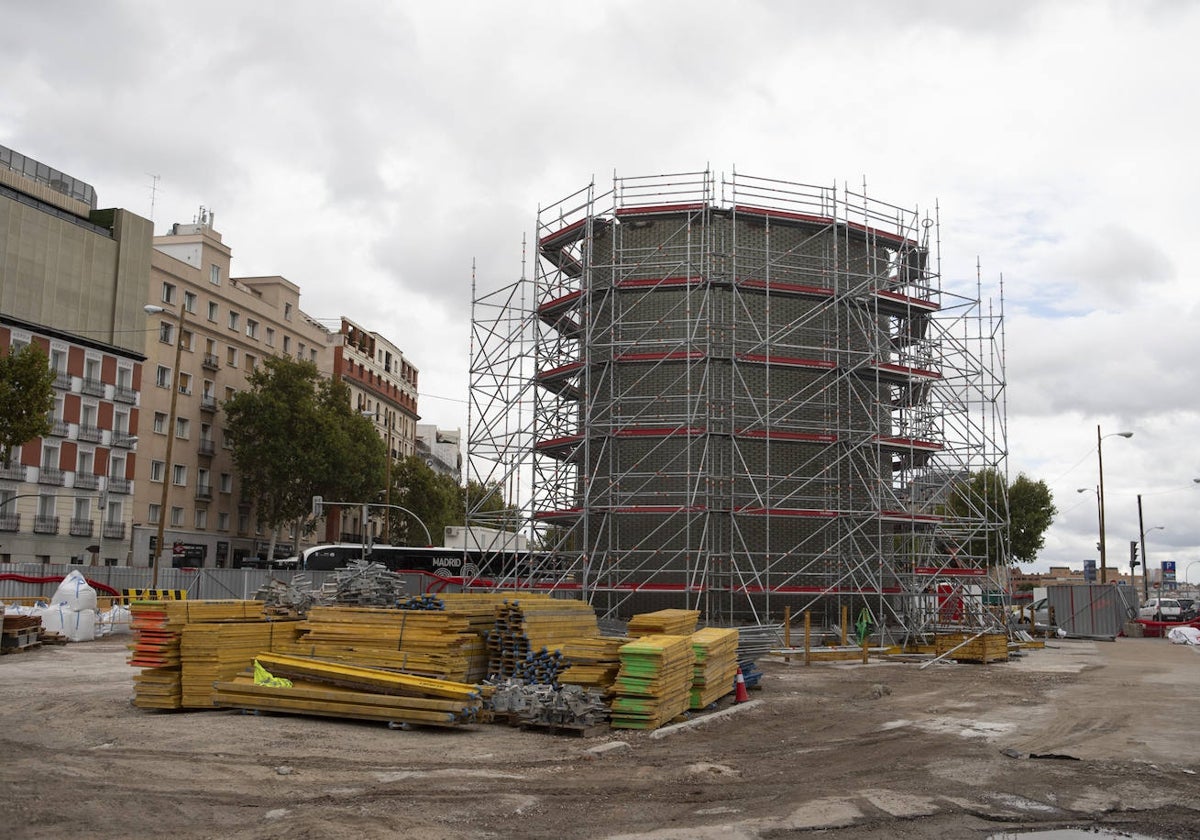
[[488, 506], [294, 436], [26, 397], [430, 496], [1026, 506]]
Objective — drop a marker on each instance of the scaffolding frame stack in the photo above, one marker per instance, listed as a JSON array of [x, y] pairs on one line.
[[736, 394]]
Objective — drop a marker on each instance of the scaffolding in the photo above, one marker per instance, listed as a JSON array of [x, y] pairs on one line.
[[738, 394]]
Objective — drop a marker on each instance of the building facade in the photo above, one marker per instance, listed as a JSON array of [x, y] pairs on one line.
[[73, 279], [441, 449], [215, 329], [383, 388]]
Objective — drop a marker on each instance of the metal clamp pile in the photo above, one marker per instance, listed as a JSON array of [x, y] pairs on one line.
[[543, 705], [365, 584]]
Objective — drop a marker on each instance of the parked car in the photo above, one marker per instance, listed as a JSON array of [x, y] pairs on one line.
[[1187, 608], [1040, 612], [1161, 609]]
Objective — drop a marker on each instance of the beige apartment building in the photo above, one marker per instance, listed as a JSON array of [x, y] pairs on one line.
[[225, 326], [73, 280]]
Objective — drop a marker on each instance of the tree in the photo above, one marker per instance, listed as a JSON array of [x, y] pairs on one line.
[[26, 397], [432, 497], [294, 436], [1026, 506]]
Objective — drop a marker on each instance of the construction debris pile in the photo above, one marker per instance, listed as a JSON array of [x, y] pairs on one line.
[[448, 660]]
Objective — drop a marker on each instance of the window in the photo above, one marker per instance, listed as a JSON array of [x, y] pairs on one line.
[[160, 423], [183, 427], [287, 312], [120, 423], [229, 392], [46, 506], [179, 475], [287, 344], [176, 518], [207, 391], [243, 523], [157, 468], [83, 509], [212, 311], [50, 456], [186, 338], [166, 332], [203, 478], [223, 521], [168, 292], [226, 483], [270, 337], [87, 415], [226, 440], [251, 328], [231, 355], [189, 302], [233, 320], [116, 466], [251, 362], [125, 378], [58, 361], [214, 275], [300, 351], [91, 369], [201, 518], [185, 383], [85, 463], [312, 355], [152, 514], [162, 376]]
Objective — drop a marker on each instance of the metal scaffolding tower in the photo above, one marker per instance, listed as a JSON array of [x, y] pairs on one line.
[[741, 394]]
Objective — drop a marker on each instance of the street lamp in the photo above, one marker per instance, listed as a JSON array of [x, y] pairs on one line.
[[1100, 493], [151, 309]]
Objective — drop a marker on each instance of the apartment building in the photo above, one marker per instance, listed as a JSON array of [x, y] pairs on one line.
[[73, 279], [441, 449], [383, 387], [212, 331]]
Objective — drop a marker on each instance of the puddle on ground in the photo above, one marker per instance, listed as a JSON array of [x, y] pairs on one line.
[[1070, 834]]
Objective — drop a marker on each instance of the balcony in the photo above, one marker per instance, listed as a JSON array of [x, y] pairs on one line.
[[125, 395], [206, 447], [114, 530], [208, 403], [123, 440], [120, 485], [86, 481], [204, 493], [45, 524], [62, 380], [91, 434], [15, 472], [92, 387], [10, 522], [80, 527], [50, 475], [59, 428], [210, 362]]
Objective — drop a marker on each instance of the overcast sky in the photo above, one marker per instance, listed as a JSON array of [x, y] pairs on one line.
[[370, 151]]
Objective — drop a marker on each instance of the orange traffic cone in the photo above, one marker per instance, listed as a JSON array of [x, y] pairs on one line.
[[742, 695]]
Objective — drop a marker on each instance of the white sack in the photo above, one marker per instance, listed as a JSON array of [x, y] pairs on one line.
[[76, 625], [1184, 636], [75, 592], [113, 621]]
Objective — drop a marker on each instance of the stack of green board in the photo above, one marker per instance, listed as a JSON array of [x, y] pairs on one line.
[[716, 665], [654, 683]]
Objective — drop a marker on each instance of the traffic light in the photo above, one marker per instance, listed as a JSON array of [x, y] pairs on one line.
[[318, 507], [1133, 555]]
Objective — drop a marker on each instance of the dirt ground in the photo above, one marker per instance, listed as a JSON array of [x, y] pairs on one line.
[[846, 750]]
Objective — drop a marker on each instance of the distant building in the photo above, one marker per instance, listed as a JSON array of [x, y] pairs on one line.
[[72, 280], [441, 449], [383, 387], [225, 326]]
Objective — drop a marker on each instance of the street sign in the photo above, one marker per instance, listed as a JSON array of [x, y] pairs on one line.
[[1168, 574]]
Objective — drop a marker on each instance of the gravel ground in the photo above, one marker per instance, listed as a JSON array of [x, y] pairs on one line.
[[1080, 734]]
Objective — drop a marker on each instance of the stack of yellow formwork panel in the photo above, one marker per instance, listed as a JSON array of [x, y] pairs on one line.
[[593, 662], [157, 631], [331, 689], [428, 643], [529, 632], [212, 651], [655, 681], [716, 665], [664, 622]]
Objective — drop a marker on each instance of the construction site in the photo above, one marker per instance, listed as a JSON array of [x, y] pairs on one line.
[[744, 396]]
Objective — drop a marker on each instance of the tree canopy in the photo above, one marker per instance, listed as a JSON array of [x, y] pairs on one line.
[[433, 498], [26, 397], [294, 436], [1026, 505]]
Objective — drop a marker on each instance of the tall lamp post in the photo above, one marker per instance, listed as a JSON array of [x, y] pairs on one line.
[[1100, 493], [162, 505]]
